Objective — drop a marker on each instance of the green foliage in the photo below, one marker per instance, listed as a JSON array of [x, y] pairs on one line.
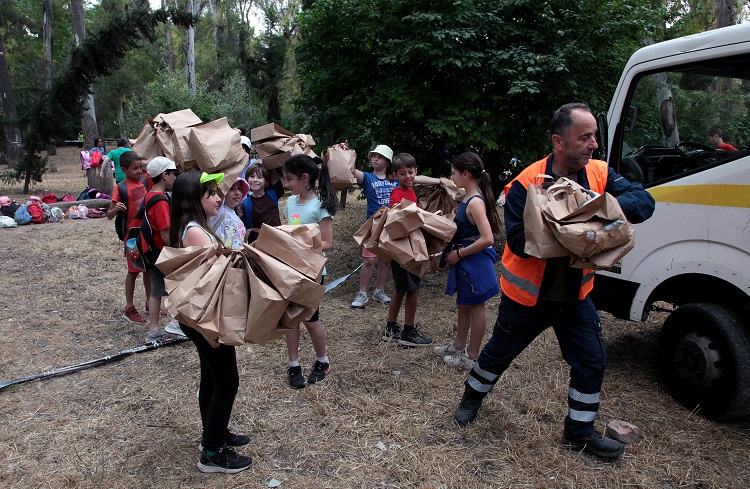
[[97, 56], [169, 92], [423, 76]]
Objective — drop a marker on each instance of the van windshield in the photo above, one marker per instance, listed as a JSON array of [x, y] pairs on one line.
[[686, 120]]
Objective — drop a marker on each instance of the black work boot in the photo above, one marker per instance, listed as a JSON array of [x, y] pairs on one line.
[[467, 409], [596, 445]]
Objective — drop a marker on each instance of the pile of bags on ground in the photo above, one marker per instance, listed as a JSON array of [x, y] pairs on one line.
[[246, 296]]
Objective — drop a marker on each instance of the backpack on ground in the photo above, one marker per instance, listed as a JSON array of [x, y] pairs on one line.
[[35, 210], [121, 219], [22, 215], [140, 245]]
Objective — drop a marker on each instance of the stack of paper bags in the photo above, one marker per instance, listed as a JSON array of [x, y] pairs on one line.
[[275, 145], [443, 198], [411, 236], [213, 147], [245, 296]]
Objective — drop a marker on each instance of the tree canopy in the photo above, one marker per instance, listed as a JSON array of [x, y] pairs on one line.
[[429, 76]]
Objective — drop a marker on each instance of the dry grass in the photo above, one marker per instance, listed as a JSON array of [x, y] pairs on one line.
[[382, 420]]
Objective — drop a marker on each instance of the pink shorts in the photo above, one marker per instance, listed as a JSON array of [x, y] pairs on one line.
[[368, 254]]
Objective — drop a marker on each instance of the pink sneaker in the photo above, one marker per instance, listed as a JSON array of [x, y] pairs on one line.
[[131, 314]]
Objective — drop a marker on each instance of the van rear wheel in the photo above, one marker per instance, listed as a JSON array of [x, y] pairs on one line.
[[704, 357]]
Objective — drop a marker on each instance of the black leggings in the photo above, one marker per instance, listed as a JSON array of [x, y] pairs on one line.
[[218, 388]]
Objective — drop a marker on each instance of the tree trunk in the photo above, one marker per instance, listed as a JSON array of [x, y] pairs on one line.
[[104, 183], [168, 54], [214, 8], [47, 43], [12, 132], [724, 13], [121, 117], [88, 120], [191, 49]]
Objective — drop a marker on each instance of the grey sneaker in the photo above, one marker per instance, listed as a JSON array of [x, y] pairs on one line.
[[459, 359], [161, 335], [447, 349], [360, 300], [173, 327], [379, 296]]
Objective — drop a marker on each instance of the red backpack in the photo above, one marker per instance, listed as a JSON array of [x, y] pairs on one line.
[[35, 211], [96, 159]]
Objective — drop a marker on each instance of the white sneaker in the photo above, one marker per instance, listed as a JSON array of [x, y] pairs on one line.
[[447, 349], [360, 300], [459, 359], [379, 295], [173, 327]]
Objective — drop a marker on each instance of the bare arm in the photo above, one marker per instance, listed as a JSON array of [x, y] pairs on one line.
[[326, 233], [359, 176], [164, 233], [195, 236], [425, 180], [114, 208]]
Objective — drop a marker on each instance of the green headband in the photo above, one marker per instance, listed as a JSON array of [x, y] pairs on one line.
[[212, 177]]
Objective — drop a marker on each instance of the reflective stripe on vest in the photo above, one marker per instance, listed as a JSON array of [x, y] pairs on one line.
[[521, 278]]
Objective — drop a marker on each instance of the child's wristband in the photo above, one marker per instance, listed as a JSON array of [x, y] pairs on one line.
[[458, 252]]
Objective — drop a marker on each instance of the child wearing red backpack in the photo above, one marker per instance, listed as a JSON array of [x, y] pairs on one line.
[[132, 164], [163, 173]]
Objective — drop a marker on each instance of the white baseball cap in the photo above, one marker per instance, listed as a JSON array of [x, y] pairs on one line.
[[159, 165]]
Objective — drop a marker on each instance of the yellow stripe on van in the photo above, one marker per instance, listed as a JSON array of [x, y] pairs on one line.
[[717, 194]]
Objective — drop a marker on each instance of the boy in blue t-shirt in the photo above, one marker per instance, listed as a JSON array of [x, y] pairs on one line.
[[377, 189]]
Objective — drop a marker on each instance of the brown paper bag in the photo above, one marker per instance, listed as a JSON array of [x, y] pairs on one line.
[[443, 198], [183, 156], [173, 262], [297, 313], [268, 131], [410, 252], [341, 165], [270, 147], [199, 287], [402, 219], [605, 259], [540, 240], [289, 250], [146, 144], [291, 284], [275, 161], [440, 228], [308, 234], [264, 311], [597, 227], [564, 197], [179, 118], [216, 146], [165, 138], [233, 304]]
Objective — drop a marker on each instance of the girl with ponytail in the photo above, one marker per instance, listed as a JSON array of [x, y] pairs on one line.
[[307, 205], [472, 274]]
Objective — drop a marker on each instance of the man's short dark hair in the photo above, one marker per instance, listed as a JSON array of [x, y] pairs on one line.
[[562, 118], [122, 143], [714, 131]]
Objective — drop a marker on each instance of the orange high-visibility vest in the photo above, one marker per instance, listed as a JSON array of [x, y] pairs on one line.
[[521, 278]]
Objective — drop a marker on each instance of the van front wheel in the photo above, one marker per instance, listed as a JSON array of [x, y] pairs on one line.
[[704, 357]]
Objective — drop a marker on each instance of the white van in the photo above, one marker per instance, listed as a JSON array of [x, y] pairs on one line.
[[694, 251]]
